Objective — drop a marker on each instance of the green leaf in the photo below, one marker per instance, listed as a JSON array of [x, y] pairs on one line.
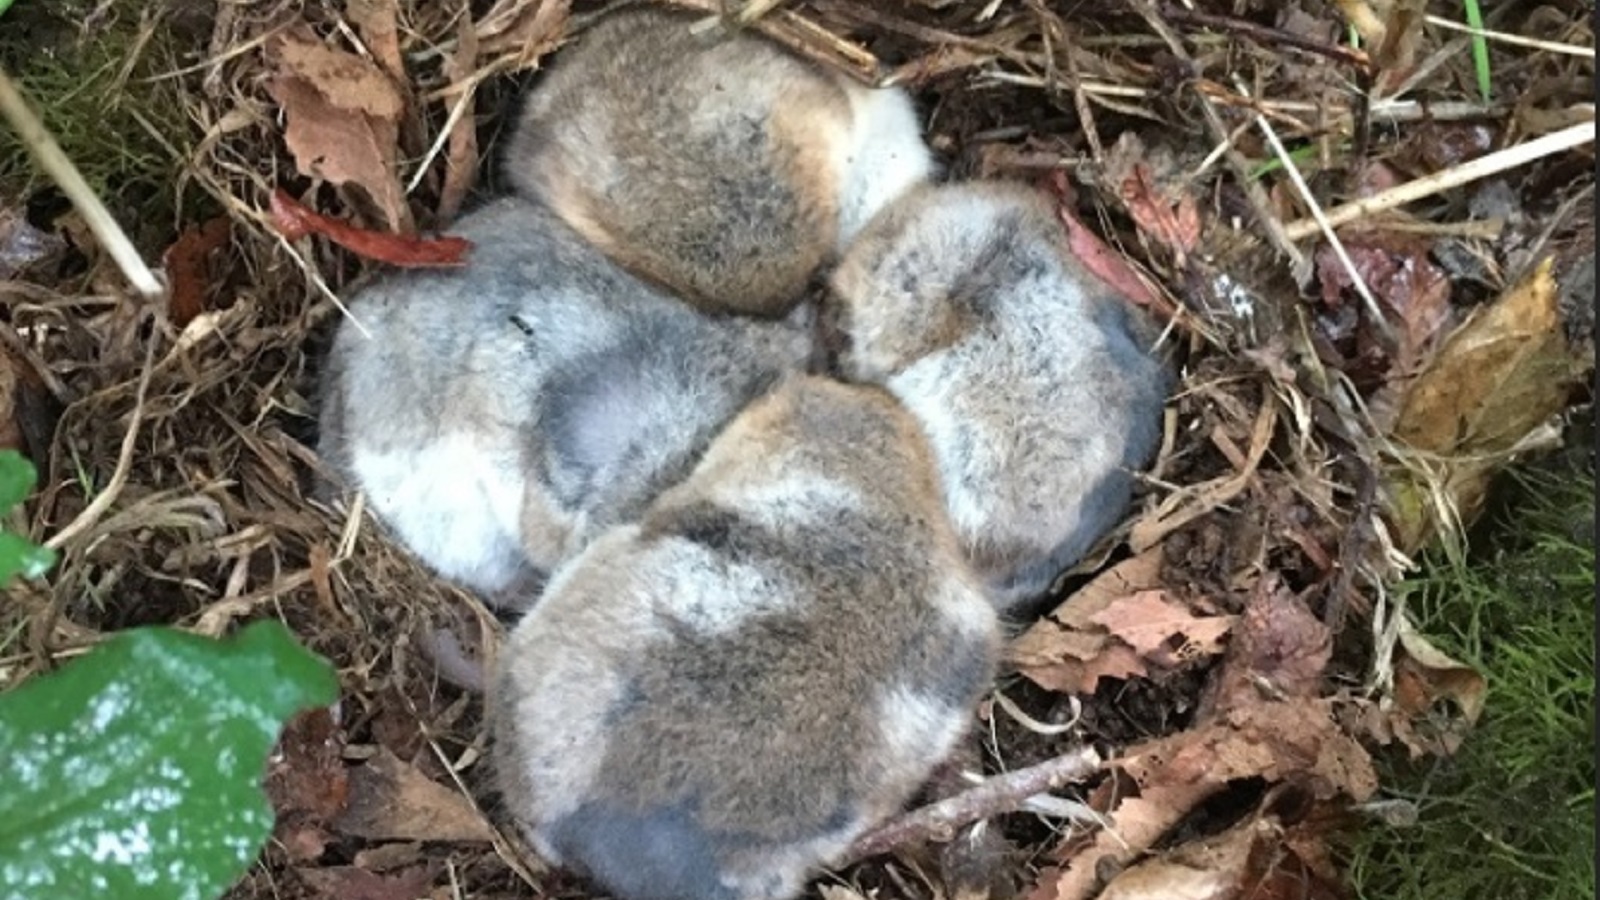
[[4, 5], [18, 555], [17, 474], [17, 477], [134, 772]]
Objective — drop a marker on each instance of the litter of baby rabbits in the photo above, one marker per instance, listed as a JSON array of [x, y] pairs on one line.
[[1212, 673]]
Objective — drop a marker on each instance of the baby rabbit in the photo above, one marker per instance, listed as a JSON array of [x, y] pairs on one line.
[[717, 700], [722, 167], [501, 414], [1032, 380]]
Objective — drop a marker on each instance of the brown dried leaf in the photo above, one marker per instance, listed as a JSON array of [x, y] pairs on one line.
[[1131, 829], [1398, 272], [1499, 377], [1213, 868], [1068, 651], [1440, 677], [1279, 646], [1265, 739], [186, 262], [306, 774], [1097, 256], [352, 883], [378, 23], [392, 800], [341, 117], [461, 151], [348, 82], [1149, 620], [295, 220]]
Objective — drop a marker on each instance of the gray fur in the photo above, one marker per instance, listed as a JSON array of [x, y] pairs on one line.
[[1037, 387], [523, 403], [720, 167], [716, 701]]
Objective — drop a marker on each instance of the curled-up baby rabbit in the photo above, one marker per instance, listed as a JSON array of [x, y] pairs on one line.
[[501, 414], [717, 700], [723, 167], [1036, 385]]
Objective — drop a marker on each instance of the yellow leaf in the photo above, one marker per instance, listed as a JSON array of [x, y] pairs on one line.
[[1503, 373]]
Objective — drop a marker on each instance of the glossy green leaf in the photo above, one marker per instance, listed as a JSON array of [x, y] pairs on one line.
[[17, 475], [134, 772], [20, 556]]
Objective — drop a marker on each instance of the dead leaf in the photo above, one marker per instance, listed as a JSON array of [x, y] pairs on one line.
[[1279, 647], [342, 117], [1274, 740], [349, 82], [1212, 868], [378, 23], [390, 856], [352, 883], [1423, 676], [1499, 377], [1442, 677], [461, 150], [306, 774], [1395, 55], [188, 269], [1256, 859], [1397, 270], [295, 220], [1156, 193], [1148, 621], [1097, 256], [391, 800], [1067, 650], [1131, 829]]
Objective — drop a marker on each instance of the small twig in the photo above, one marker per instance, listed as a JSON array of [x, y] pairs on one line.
[[1000, 794], [1385, 110], [1379, 321], [1514, 39], [1264, 35], [1482, 167], [1260, 203], [50, 157]]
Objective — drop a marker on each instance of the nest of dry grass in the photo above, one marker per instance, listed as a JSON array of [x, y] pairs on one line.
[[173, 433]]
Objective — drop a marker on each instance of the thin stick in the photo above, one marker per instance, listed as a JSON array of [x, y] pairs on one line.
[[1378, 319], [1482, 167], [1000, 794], [50, 157], [1264, 35], [1260, 204], [1515, 39]]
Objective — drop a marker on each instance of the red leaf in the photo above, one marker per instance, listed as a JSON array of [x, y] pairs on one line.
[[295, 220], [185, 262]]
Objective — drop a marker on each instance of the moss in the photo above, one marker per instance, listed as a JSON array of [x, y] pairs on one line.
[[1512, 815]]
